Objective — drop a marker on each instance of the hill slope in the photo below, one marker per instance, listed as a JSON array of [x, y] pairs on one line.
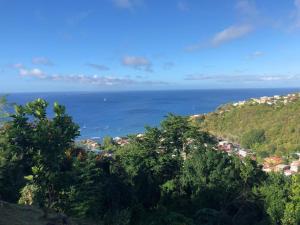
[[266, 125], [12, 214]]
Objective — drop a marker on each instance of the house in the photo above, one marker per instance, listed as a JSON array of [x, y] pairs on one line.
[[222, 143], [272, 161], [288, 172], [195, 116], [295, 166], [277, 97], [263, 99], [140, 136], [90, 144], [281, 167], [121, 141], [242, 153], [267, 169], [225, 146]]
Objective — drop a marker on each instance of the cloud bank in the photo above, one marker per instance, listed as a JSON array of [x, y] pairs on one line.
[[231, 33], [137, 62], [96, 79], [242, 78]]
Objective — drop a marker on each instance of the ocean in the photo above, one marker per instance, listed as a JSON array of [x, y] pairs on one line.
[[120, 113]]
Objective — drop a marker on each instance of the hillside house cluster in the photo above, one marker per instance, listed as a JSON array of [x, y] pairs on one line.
[[89, 145], [273, 100], [275, 164], [271, 164], [232, 148], [121, 141]]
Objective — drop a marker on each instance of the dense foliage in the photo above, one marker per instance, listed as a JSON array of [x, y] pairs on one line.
[[170, 175], [268, 129]]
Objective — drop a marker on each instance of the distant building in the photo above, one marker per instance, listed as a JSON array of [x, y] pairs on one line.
[[272, 161], [277, 97], [243, 153], [121, 141], [140, 136], [90, 146], [288, 172], [267, 169], [225, 146], [295, 166], [264, 99], [281, 167], [196, 116]]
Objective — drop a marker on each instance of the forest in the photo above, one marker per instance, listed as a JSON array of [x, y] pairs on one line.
[[170, 175]]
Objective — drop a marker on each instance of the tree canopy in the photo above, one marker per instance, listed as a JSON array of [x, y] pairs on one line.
[[172, 174]]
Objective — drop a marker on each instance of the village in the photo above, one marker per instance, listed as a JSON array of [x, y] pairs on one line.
[[274, 100], [270, 164]]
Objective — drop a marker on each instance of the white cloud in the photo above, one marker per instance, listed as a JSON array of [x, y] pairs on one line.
[[228, 34], [137, 62], [42, 61], [231, 33], [279, 77], [86, 79], [241, 78], [35, 72], [248, 20]]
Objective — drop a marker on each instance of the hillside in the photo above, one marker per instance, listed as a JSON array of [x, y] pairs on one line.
[[12, 214], [268, 125]]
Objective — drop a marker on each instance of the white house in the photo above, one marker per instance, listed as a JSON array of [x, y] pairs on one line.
[[295, 166], [242, 153]]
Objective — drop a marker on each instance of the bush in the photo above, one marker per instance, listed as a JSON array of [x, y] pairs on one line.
[[255, 136]]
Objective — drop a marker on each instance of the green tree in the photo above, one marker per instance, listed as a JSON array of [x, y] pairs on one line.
[[3, 110], [292, 209], [108, 143], [16, 155], [275, 192], [36, 145], [100, 191], [255, 136], [220, 188]]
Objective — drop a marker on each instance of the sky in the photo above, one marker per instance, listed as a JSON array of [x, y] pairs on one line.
[[113, 45]]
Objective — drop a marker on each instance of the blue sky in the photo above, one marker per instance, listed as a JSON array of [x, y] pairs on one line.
[[100, 45]]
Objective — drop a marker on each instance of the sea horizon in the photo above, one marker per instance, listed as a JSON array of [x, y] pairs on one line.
[[147, 90], [101, 114]]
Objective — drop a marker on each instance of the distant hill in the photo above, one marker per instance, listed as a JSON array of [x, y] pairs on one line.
[[12, 214], [268, 125]]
